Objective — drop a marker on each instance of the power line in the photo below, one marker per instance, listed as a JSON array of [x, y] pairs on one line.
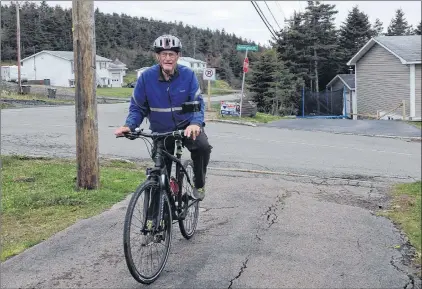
[[273, 30], [272, 14], [281, 10], [262, 18]]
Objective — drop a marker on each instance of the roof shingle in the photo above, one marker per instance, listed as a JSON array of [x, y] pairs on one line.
[[407, 47]]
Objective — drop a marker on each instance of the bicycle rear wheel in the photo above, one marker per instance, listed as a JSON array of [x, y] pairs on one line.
[[189, 204], [139, 235]]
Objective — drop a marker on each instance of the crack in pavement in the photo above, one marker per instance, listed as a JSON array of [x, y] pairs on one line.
[[218, 208], [242, 269], [411, 283]]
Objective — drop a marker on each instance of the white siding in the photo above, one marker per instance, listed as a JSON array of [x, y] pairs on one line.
[[46, 66]]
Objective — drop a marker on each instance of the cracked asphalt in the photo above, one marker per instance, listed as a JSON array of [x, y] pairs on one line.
[[310, 224]]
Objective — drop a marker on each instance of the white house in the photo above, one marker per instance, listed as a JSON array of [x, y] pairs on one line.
[[195, 64], [58, 67]]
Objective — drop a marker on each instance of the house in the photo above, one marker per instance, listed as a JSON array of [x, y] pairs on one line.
[[388, 72], [345, 83], [58, 68], [117, 70], [140, 70], [195, 64]]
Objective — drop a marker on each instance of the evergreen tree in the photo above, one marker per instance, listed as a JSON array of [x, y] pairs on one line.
[[378, 28], [272, 86], [398, 25], [130, 39], [418, 29], [354, 34], [322, 38]]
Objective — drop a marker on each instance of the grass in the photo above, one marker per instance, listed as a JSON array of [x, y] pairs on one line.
[[259, 117], [406, 213], [130, 77], [39, 197], [416, 123], [32, 97], [219, 87], [117, 92]]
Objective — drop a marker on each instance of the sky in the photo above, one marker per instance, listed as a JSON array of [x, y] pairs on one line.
[[241, 18]]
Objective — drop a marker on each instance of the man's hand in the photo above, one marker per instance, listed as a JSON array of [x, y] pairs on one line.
[[121, 130], [193, 131]]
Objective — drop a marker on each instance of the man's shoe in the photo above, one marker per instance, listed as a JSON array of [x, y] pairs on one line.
[[199, 194]]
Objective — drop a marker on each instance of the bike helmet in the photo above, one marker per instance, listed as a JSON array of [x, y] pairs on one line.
[[167, 42]]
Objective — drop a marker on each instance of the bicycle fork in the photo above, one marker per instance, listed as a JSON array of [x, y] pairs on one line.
[[153, 212]]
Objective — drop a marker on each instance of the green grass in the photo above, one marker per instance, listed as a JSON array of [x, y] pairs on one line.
[[30, 97], [416, 123], [406, 213], [118, 92], [219, 87], [259, 117], [39, 197], [130, 77]]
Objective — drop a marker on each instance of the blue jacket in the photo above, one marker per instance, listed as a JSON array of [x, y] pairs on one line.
[[161, 100]]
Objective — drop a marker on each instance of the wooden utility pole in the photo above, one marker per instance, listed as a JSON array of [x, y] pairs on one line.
[[18, 46], [84, 54]]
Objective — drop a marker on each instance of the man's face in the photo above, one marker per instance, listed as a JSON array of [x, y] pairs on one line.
[[168, 60]]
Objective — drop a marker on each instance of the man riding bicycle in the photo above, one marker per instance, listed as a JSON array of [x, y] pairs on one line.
[[160, 93]]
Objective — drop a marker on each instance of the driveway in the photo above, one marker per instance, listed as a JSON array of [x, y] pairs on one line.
[[356, 127]]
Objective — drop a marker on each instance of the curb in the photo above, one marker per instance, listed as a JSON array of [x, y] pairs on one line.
[[406, 138], [232, 122]]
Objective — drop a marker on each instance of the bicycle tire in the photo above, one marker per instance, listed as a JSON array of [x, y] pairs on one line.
[[134, 271], [186, 233]]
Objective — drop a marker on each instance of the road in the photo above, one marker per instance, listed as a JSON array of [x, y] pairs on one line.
[[356, 127], [311, 225]]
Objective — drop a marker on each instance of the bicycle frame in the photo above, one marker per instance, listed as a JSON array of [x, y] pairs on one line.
[[160, 174]]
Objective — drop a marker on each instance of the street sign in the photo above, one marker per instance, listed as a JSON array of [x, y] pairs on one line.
[[243, 47], [209, 74], [246, 65]]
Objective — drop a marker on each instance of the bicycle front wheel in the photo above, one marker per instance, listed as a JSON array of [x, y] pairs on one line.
[[190, 206], [147, 244]]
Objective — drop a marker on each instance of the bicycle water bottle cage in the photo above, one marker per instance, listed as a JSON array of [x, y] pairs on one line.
[[191, 106]]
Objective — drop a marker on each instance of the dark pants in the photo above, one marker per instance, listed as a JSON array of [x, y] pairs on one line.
[[200, 150]]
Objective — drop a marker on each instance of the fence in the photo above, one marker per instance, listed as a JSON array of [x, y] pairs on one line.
[[325, 104]]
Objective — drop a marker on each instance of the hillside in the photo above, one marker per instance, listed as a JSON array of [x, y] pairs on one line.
[[128, 38]]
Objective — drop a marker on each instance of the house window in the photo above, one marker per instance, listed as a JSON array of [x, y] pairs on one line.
[[103, 65]]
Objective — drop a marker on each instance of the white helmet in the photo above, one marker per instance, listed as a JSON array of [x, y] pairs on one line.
[[167, 42]]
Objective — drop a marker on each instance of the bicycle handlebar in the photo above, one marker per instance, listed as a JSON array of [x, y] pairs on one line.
[[139, 132]]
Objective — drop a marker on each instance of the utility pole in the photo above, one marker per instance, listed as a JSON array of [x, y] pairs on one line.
[[84, 57], [18, 46]]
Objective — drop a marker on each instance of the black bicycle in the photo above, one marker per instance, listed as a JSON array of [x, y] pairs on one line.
[[164, 198]]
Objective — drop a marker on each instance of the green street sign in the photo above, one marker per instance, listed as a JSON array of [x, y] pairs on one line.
[[243, 47]]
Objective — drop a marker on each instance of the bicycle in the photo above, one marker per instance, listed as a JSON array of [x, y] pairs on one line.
[[165, 200]]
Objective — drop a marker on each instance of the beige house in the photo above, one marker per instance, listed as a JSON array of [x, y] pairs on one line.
[[388, 71]]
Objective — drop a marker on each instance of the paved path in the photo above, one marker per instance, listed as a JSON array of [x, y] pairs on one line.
[[358, 127], [314, 229]]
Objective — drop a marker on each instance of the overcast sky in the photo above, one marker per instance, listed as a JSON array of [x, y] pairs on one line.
[[240, 17]]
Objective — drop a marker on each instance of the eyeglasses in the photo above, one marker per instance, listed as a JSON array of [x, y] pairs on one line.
[[169, 54]]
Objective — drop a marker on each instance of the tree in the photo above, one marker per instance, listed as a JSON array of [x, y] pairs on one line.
[[398, 25], [272, 86], [322, 38], [378, 28], [418, 29], [45, 27], [354, 34]]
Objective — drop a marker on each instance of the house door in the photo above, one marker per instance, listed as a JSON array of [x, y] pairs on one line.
[[115, 80]]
